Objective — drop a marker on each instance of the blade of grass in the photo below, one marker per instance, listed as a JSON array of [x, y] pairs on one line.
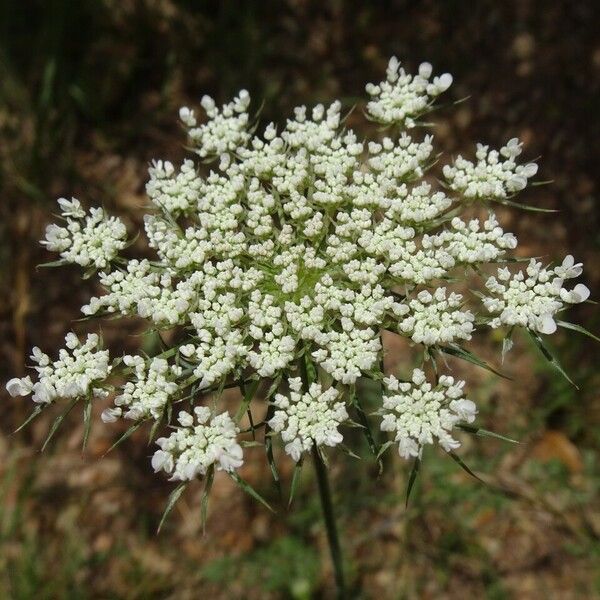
[[295, 480], [34, 413], [485, 433], [577, 328], [173, 497], [412, 478], [250, 490], [470, 357], [464, 466], [87, 421], [210, 475], [58, 421], [549, 356], [127, 434]]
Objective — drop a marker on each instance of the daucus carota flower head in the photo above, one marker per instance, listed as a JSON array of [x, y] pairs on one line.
[[71, 375], [418, 412], [305, 419], [285, 259], [496, 174], [199, 442], [87, 239], [531, 298]]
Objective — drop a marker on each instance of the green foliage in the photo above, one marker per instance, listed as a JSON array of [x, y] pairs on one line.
[[286, 565]]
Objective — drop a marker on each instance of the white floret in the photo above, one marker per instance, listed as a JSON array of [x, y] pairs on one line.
[[533, 297], [307, 419], [200, 442], [75, 373], [420, 413]]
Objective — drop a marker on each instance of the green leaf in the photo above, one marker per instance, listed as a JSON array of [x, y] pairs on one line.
[[549, 356], [295, 480], [34, 413], [485, 433], [412, 478], [154, 430], [507, 344], [210, 475], [250, 443], [87, 421], [127, 434], [383, 448], [54, 263], [173, 497], [248, 395], [577, 328], [470, 357], [58, 421], [528, 207], [364, 422], [250, 490], [268, 438], [463, 466], [349, 452]]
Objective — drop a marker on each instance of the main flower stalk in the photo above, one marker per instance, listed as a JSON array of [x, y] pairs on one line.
[[329, 516]]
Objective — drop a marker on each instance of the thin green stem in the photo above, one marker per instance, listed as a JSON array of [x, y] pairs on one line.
[[332, 534]]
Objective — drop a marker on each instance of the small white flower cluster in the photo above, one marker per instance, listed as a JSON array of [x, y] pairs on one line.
[[307, 419], [148, 394], [436, 318], [171, 191], [531, 298], [224, 132], [303, 243], [88, 239], [491, 178], [403, 98], [469, 243], [200, 442], [73, 375], [418, 412]]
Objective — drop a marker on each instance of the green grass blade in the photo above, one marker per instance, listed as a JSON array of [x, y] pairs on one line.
[[34, 413], [250, 490], [210, 475], [464, 466], [248, 393], [58, 421], [470, 357], [412, 478], [295, 480], [87, 421], [528, 207], [577, 328], [549, 356], [127, 434], [173, 497], [486, 433]]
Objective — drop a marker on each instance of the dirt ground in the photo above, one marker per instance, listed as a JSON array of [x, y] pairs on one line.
[[89, 94]]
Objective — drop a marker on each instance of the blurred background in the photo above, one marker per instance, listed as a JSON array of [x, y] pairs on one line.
[[89, 94]]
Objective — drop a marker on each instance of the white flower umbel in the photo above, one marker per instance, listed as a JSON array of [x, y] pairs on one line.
[[88, 239], [78, 368], [470, 243], [200, 442], [305, 419], [224, 132], [419, 413], [174, 191], [495, 175], [403, 98], [531, 298], [148, 394], [300, 241], [436, 318]]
